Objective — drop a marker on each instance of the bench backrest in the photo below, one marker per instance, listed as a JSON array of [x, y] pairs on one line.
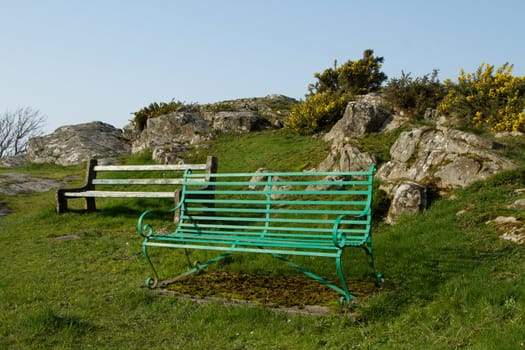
[[143, 175], [279, 202]]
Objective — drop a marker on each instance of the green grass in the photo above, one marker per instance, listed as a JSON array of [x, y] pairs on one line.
[[76, 280]]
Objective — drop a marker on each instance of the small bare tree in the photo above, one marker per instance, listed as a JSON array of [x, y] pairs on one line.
[[16, 128]]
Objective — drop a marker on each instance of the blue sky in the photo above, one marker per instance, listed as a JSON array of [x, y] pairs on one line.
[[80, 61]]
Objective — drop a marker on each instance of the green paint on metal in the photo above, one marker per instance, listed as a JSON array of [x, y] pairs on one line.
[[316, 214]]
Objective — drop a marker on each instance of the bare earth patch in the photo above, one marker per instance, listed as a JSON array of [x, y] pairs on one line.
[[300, 293]]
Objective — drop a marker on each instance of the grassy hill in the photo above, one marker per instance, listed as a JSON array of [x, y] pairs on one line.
[[76, 280]]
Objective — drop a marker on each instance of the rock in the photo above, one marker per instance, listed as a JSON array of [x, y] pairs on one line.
[[15, 161], [501, 220], [13, 184], [263, 178], [345, 157], [4, 210], [239, 121], [170, 129], [515, 237], [169, 154], [258, 178], [409, 198], [447, 158], [360, 118], [75, 144], [519, 205], [509, 228], [192, 124]]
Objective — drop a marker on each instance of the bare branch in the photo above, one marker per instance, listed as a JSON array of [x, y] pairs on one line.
[[16, 128]]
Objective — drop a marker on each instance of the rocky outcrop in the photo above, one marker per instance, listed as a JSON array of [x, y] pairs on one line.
[[192, 124], [360, 118], [238, 121], [447, 158], [165, 131], [74, 144], [346, 157]]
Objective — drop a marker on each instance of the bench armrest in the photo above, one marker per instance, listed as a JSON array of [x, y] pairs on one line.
[[145, 229], [339, 237]]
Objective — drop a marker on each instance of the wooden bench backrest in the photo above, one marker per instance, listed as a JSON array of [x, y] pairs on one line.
[[171, 173], [274, 202]]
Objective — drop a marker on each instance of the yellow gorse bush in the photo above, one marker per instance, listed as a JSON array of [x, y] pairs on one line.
[[318, 111], [489, 98]]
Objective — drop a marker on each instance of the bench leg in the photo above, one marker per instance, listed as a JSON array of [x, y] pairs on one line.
[[90, 204], [153, 282], [196, 268], [377, 276], [61, 201], [346, 296]]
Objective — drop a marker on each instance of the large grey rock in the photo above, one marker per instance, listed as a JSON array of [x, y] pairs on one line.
[[360, 118], [238, 121], [170, 129], [75, 144], [408, 198], [447, 158]]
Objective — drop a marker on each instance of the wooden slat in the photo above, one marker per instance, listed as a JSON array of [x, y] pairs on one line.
[[137, 181], [120, 194], [160, 167]]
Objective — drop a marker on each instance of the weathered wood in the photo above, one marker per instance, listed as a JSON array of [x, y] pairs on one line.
[[171, 177], [166, 167], [120, 194]]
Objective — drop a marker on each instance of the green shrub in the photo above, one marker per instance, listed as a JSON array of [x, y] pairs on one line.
[[414, 95], [487, 98], [352, 78]]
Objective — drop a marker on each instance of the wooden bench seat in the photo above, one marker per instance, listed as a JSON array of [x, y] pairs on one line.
[[284, 214], [135, 181]]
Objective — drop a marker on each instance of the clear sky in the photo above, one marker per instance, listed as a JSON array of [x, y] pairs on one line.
[[78, 61]]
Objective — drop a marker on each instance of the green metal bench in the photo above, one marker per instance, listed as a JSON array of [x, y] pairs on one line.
[[284, 214]]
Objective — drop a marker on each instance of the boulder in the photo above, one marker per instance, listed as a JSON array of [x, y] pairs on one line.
[[345, 157], [75, 144], [170, 129], [447, 158], [238, 121], [408, 198], [360, 118]]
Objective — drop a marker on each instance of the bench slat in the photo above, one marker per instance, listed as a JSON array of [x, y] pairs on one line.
[[120, 194], [241, 249], [165, 167], [137, 181]]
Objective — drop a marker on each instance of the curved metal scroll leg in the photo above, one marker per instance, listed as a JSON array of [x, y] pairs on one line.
[[346, 295], [151, 282]]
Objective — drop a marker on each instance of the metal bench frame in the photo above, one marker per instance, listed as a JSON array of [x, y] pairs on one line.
[[279, 213], [172, 180]]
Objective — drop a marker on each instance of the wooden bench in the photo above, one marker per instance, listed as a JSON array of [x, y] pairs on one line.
[[284, 214], [135, 181]]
